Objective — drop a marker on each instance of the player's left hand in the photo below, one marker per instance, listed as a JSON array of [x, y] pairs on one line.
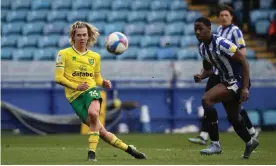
[[244, 95], [107, 84]]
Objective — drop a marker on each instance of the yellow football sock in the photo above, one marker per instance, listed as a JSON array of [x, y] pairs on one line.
[[118, 143], [93, 140]]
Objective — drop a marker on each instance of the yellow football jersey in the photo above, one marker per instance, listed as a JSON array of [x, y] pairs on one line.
[[77, 68]]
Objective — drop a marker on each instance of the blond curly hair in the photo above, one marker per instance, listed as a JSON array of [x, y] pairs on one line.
[[93, 33]]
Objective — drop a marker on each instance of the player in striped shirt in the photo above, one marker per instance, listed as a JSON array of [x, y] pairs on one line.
[[231, 91], [231, 32]]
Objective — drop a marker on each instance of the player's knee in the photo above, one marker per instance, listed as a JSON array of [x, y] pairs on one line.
[[206, 101], [93, 114]]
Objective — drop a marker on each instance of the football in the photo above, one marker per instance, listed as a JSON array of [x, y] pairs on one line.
[[116, 43]]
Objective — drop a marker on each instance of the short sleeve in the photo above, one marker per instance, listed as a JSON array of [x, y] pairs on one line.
[[97, 68], [238, 38], [227, 47], [60, 59]]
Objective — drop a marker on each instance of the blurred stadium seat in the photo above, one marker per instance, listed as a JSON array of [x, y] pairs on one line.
[[135, 16], [33, 28], [55, 28], [40, 15], [192, 16], [48, 41], [178, 5], [250, 54], [189, 29], [166, 54], [130, 54], [40, 4], [75, 15], [23, 54], [147, 54], [174, 29], [81, 5], [140, 5], [261, 27], [98, 15], [5, 5], [134, 40], [120, 5], [174, 16], [6, 53], [45, 54], [187, 53], [27, 41], [115, 27], [9, 41], [150, 41], [12, 28], [254, 117], [159, 5], [169, 41], [100, 4], [156, 16], [63, 42], [135, 29], [269, 117], [155, 28], [13, 16], [256, 15], [61, 4], [57, 16], [115, 16], [186, 41], [19, 4]]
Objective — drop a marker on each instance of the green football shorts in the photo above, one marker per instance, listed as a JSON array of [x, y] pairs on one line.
[[82, 103]]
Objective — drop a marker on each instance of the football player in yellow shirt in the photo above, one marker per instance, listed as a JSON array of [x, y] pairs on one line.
[[78, 70]]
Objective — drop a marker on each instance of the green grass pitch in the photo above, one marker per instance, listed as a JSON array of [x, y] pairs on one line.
[[159, 148]]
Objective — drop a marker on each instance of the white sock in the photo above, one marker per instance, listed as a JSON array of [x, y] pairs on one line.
[[216, 142], [250, 142], [251, 130], [204, 135]]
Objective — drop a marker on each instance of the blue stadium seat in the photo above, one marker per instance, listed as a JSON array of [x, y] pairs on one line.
[[140, 5], [256, 15], [130, 54], [174, 16], [63, 42], [117, 16], [100, 26], [55, 28], [269, 116], [179, 5], [61, 4], [23, 54], [105, 55], [28, 41], [98, 15], [81, 4], [5, 4], [155, 28], [120, 4], [187, 54], [159, 5], [6, 53], [45, 54], [33, 28], [40, 15], [147, 54], [187, 41], [254, 117], [135, 16], [101, 41], [3, 15], [135, 29], [134, 40], [13, 16], [189, 29], [156, 16], [48, 41], [150, 41], [261, 27], [12, 28], [9, 41], [169, 41], [100, 4], [192, 16], [57, 16], [40, 4], [266, 4], [166, 54], [272, 15], [250, 54], [174, 29], [76, 16], [214, 28], [115, 27], [19, 4]]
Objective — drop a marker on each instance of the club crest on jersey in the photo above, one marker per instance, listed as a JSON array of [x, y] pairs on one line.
[[74, 58], [83, 68], [58, 59], [91, 61]]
